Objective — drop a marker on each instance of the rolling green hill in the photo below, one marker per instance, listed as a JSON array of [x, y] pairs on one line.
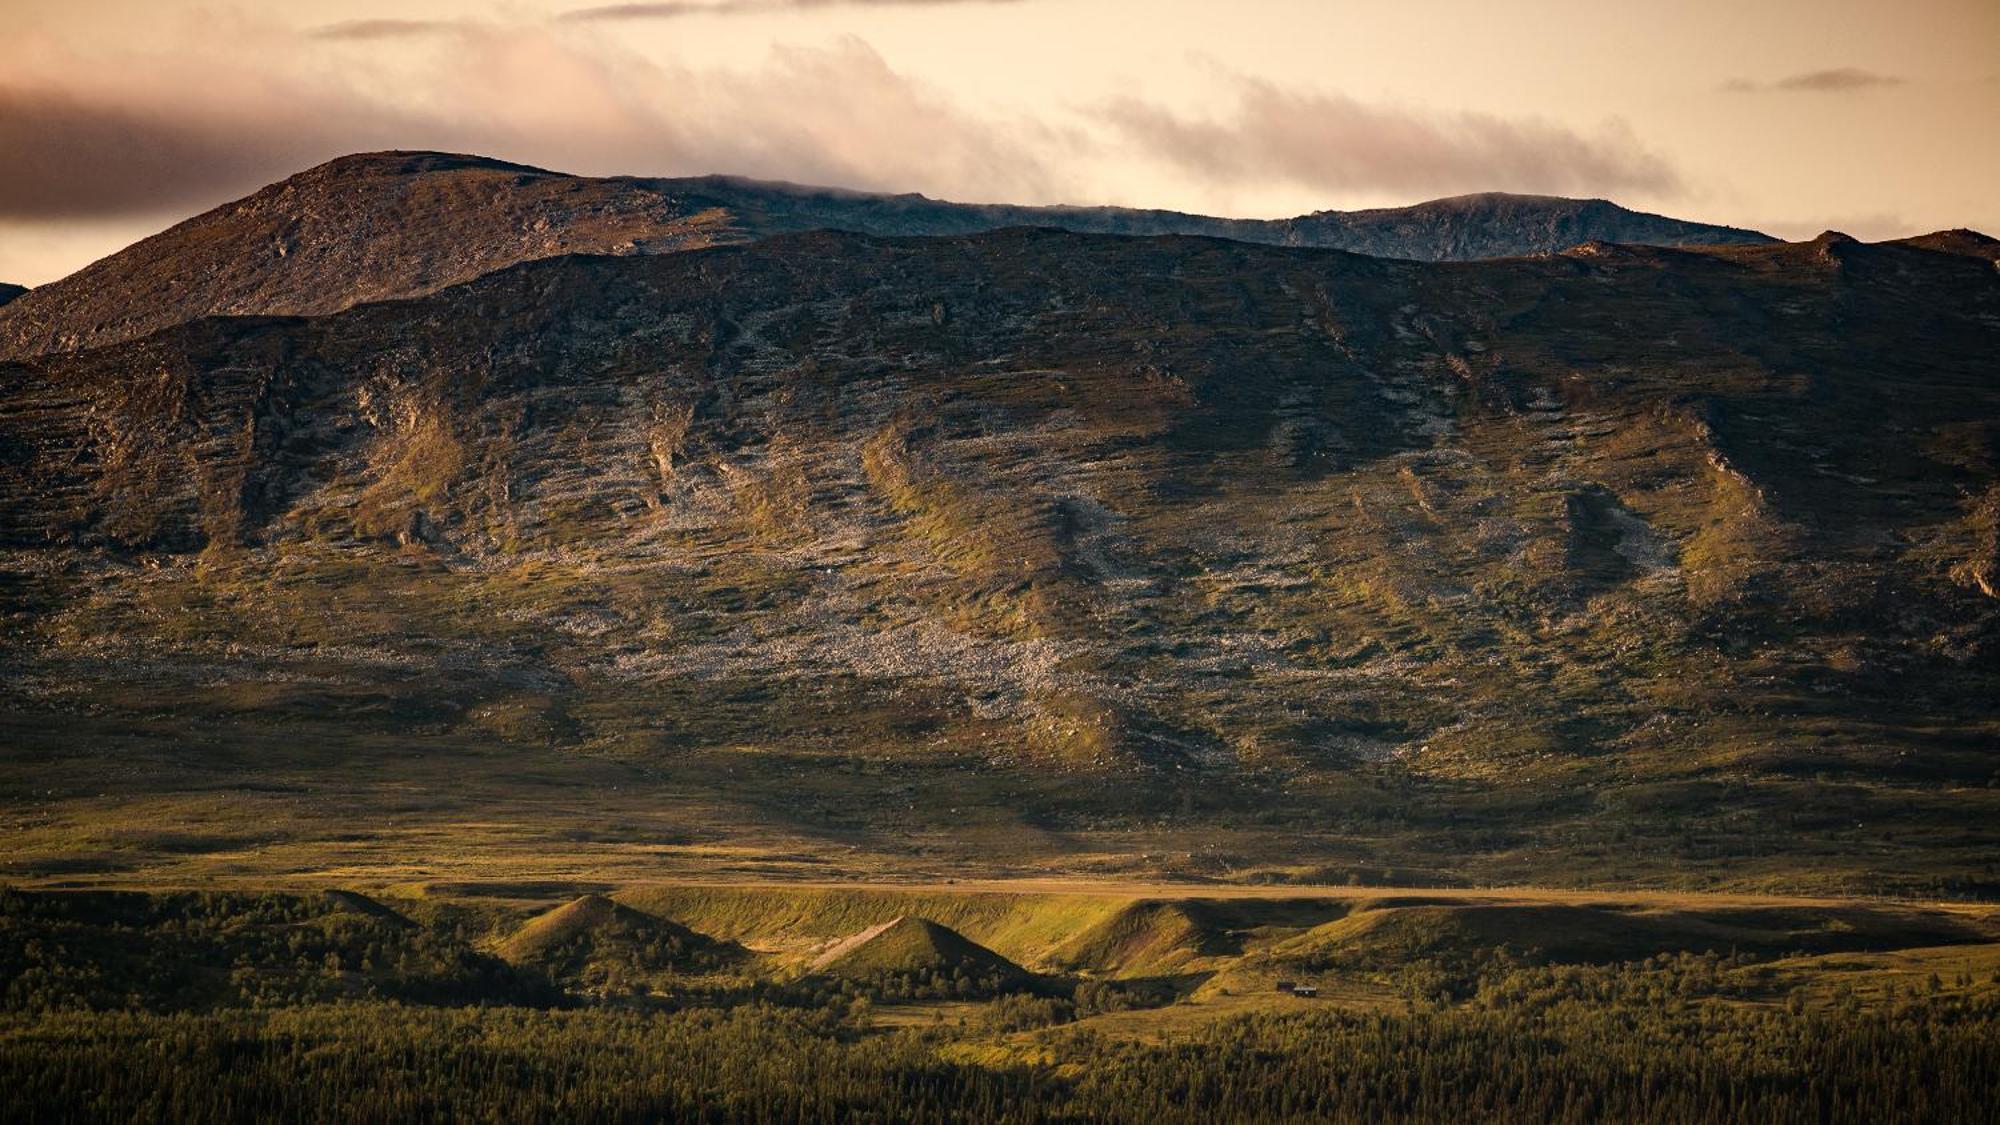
[[583, 938], [906, 945]]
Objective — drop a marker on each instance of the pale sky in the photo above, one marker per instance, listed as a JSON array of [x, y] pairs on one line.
[[120, 117]]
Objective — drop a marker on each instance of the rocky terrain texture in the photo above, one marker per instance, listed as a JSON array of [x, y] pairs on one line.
[[387, 225], [1031, 550]]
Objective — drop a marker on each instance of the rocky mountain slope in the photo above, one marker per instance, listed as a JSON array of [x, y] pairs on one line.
[[358, 229], [1031, 550], [387, 225]]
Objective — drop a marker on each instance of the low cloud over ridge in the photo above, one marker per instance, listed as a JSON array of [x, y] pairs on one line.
[[1331, 142], [130, 143], [94, 143]]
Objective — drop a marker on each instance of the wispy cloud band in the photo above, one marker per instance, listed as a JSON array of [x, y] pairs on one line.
[[369, 31], [1837, 80], [1333, 143], [82, 141], [675, 9]]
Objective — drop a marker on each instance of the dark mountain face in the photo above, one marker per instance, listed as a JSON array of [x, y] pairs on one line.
[[8, 291], [1462, 228], [1497, 225], [388, 225], [1965, 243], [1033, 548]]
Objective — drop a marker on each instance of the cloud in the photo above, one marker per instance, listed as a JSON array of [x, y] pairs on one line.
[[89, 139], [674, 9], [1333, 143], [128, 140], [82, 154], [1839, 80], [369, 31]]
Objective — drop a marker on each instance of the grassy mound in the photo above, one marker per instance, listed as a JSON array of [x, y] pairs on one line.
[[1144, 937], [1383, 937], [906, 945], [588, 935], [1027, 928], [1150, 937], [352, 902]]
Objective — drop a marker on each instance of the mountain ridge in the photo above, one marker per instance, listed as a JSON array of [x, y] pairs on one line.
[[377, 226]]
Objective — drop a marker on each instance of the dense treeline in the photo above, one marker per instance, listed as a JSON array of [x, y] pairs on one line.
[[202, 951], [1933, 1061], [260, 1007], [174, 951]]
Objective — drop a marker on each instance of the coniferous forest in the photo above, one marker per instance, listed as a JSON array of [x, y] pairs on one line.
[[278, 1006]]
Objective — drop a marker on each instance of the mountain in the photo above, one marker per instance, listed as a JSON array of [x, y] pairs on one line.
[[9, 292], [1494, 225], [358, 229], [386, 225], [1966, 243], [1033, 551]]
